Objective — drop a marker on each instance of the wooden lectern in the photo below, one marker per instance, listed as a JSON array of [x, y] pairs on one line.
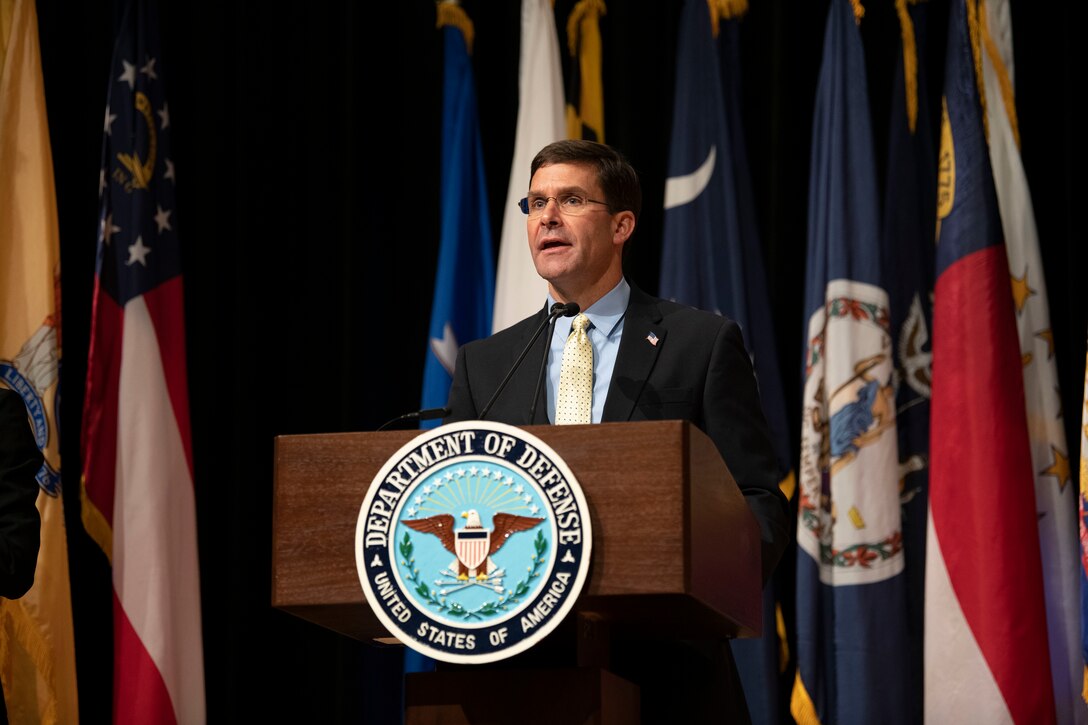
[[675, 547]]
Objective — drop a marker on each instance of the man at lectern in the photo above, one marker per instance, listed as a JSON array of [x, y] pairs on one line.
[[627, 356]]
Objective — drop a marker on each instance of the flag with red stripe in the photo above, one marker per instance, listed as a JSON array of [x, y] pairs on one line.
[[986, 650], [138, 501]]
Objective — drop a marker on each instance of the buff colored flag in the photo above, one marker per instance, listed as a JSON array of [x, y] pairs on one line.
[[37, 653], [1054, 492], [519, 290]]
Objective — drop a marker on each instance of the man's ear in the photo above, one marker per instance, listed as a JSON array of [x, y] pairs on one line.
[[623, 226]]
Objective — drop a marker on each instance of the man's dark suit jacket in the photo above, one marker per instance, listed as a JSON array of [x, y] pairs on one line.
[[20, 524], [699, 371]]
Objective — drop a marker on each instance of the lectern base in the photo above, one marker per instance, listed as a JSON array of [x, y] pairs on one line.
[[577, 696]]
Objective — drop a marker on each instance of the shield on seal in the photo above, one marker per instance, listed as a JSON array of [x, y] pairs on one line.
[[472, 547]]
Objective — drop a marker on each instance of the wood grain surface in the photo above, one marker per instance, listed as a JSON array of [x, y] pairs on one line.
[[674, 545]]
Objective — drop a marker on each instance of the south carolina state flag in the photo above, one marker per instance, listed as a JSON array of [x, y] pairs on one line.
[[139, 504], [986, 653], [711, 259]]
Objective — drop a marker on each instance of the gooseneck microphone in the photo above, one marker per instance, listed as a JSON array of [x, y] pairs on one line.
[[559, 309], [571, 309], [425, 414]]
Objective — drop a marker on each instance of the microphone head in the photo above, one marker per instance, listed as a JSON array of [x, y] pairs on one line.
[[571, 309]]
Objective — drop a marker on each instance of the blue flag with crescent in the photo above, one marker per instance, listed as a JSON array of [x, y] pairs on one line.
[[464, 287], [711, 259], [851, 588]]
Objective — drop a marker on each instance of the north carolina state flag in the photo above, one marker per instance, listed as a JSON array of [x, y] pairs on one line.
[[986, 651]]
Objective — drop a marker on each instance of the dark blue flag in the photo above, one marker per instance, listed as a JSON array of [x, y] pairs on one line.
[[711, 259], [851, 589], [910, 211], [464, 286]]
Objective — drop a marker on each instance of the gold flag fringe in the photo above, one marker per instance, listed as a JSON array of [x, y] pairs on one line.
[[801, 705], [725, 10], [859, 11], [450, 13], [95, 523], [973, 29], [783, 643], [1008, 96], [910, 62], [1084, 687]]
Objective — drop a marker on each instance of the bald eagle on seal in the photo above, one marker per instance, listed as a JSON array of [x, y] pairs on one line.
[[473, 545]]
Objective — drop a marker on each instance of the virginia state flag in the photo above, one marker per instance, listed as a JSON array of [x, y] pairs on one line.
[[519, 290], [37, 650], [851, 590], [465, 281], [986, 652], [909, 211], [711, 259], [139, 503], [1055, 496]]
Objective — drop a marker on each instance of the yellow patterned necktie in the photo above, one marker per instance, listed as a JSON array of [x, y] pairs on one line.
[[574, 403]]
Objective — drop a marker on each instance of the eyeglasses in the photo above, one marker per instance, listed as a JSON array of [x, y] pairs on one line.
[[569, 204]]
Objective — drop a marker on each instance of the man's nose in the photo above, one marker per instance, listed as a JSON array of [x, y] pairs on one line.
[[550, 215]]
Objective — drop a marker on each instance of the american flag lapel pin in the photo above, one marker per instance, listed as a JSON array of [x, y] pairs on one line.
[[652, 339]]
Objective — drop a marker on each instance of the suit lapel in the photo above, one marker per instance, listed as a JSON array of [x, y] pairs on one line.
[[637, 355], [519, 391]]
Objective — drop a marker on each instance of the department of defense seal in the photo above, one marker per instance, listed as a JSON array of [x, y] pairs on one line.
[[473, 542]]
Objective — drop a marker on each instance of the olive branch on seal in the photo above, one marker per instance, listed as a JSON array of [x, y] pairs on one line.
[[407, 549]]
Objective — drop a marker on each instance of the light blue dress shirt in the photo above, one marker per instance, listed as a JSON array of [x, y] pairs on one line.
[[606, 327]]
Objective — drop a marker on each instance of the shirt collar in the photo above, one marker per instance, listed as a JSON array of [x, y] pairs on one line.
[[606, 313]]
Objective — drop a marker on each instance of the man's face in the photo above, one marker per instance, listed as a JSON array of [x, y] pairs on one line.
[[573, 252]]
